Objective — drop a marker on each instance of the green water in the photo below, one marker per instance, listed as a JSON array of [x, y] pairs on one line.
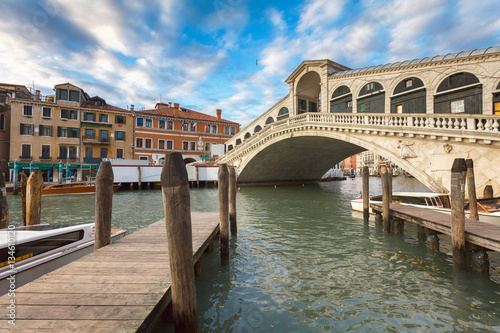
[[304, 262]]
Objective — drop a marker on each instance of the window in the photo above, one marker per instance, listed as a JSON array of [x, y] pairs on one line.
[[348, 104], [45, 152], [120, 119], [46, 112], [72, 151], [226, 130], [45, 130], [27, 110], [161, 144], [2, 122], [89, 152], [69, 114], [27, 129], [26, 151], [192, 145], [496, 109], [143, 158], [68, 132], [361, 108], [138, 142], [89, 133], [313, 107], [233, 131], [408, 83], [170, 145], [103, 117], [67, 153], [119, 153], [161, 124], [170, 125], [148, 143], [193, 126], [104, 152], [399, 108], [458, 106], [207, 146], [74, 96], [207, 128], [302, 105], [370, 86], [89, 116], [63, 94], [149, 123], [185, 145], [119, 136], [214, 129], [103, 136], [185, 126], [140, 122]]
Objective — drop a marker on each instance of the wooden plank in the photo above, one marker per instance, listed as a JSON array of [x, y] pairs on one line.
[[122, 287]]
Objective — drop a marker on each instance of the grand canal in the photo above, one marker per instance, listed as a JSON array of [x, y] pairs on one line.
[[303, 262]]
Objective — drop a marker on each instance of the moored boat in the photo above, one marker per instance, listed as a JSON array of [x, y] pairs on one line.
[[71, 188], [29, 252]]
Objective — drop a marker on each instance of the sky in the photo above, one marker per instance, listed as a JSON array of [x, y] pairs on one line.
[[232, 55]]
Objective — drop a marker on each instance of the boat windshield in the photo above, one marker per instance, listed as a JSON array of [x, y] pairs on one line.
[[42, 227]]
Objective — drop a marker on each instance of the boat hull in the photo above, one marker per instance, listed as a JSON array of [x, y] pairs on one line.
[[78, 189]]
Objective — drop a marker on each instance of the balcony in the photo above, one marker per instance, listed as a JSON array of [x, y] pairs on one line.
[[45, 158], [26, 158]]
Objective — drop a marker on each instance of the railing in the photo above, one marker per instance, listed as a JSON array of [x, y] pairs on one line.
[[448, 123]]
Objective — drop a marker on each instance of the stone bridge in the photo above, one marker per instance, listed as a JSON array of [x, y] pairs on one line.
[[420, 114]]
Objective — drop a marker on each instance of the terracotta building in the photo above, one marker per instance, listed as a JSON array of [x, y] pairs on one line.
[[168, 128]]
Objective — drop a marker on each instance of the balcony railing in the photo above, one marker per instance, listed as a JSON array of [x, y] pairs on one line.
[[22, 157], [45, 158]]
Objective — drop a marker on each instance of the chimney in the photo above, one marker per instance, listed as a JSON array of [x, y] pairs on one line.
[[176, 110], [132, 107], [219, 112], [37, 95]]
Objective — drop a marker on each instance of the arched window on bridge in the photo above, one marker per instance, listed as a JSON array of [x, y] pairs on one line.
[[409, 96], [257, 129], [459, 93], [308, 93], [269, 120], [341, 101], [283, 113], [230, 147], [496, 101], [238, 142], [247, 135], [371, 98]]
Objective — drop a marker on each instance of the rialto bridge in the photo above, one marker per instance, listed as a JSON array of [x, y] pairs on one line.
[[421, 114]]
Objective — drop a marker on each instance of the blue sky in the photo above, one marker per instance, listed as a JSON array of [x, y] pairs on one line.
[[228, 54]]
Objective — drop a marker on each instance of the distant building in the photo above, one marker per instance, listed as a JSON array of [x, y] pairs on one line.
[[168, 128], [349, 165]]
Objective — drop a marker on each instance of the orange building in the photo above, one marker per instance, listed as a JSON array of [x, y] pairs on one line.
[[349, 166], [167, 129]]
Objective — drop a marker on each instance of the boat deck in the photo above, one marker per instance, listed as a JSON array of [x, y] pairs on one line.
[[476, 232], [123, 287]]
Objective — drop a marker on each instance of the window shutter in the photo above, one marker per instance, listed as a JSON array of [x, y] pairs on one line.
[[50, 130], [58, 131], [77, 132], [124, 120], [22, 129], [40, 130], [116, 119]]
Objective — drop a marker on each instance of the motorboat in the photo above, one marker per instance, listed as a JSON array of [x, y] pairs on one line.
[[488, 209], [29, 252], [72, 188]]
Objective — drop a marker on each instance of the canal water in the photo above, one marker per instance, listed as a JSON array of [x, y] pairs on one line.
[[304, 262]]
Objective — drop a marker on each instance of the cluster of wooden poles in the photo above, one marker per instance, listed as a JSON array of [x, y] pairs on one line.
[[462, 173]]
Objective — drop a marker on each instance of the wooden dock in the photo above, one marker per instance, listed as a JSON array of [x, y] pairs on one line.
[[476, 232], [123, 287]]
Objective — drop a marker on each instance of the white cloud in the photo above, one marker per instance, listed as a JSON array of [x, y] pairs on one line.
[[320, 13]]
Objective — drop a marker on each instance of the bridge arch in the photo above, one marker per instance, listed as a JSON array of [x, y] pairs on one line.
[[257, 129], [308, 91], [409, 96], [460, 92], [341, 100], [371, 98]]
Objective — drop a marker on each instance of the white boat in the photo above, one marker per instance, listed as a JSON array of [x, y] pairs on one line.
[[488, 209], [29, 252]]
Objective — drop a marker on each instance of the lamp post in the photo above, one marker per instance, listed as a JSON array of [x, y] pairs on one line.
[[59, 180], [16, 169]]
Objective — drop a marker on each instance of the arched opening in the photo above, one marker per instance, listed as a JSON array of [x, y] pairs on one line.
[[409, 96], [308, 93], [247, 135], [257, 129], [496, 101], [269, 120], [189, 160], [238, 142], [341, 101], [371, 98], [459, 93], [230, 147], [283, 113]]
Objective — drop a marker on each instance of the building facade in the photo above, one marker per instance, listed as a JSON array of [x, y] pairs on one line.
[[168, 128]]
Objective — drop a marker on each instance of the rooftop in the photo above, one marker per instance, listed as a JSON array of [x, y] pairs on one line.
[[184, 114]]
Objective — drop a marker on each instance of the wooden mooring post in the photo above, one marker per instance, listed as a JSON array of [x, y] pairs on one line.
[[232, 200], [177, 208], [366, 194], [471, 190], [34, 198], [224, 213], [24, 183], [488, 192], [386, 198], [4, 207], [457, 195], [103, 205]]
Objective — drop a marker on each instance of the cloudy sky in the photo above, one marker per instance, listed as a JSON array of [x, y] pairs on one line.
[[228, 54]]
